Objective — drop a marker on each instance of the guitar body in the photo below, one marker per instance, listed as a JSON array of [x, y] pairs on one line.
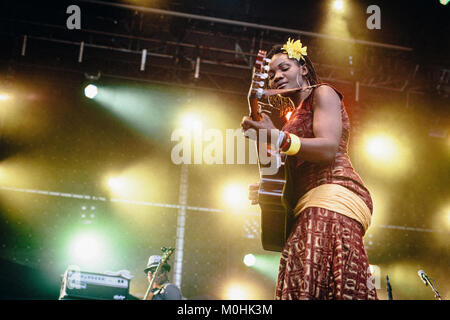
[[274, 191], [276, 211]]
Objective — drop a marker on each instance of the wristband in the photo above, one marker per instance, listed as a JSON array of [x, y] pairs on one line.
[[294, 148]]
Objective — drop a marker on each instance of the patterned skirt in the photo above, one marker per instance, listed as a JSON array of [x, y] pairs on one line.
[[324, 258]]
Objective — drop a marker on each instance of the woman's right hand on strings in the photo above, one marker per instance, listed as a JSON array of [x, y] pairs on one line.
[[253, 192], [264, 126]]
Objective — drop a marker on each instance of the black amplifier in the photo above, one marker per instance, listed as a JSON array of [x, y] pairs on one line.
[[78, 284]]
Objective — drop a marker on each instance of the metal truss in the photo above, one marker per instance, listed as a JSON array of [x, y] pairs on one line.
[[201, 52], [250, 228]]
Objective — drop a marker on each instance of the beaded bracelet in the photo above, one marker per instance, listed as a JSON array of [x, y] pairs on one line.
[[287, 142]]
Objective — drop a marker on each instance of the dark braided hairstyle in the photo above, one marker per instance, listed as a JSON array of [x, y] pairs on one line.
[[285, 104]]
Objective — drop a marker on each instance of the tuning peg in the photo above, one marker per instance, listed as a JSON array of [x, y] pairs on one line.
[[259, 83], [259, 92], [262, 75]]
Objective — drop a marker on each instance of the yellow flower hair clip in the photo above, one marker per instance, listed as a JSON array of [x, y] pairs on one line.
[[295, 49]]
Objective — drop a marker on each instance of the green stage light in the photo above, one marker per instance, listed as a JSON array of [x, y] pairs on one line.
[[91, 91], [444, 2], [249, 260], [147, 110], [87, 249], [267, 265]]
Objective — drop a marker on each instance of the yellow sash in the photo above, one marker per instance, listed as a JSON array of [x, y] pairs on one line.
[[336, 198]]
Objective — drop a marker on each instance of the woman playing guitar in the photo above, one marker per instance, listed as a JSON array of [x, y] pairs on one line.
[[323, 256]]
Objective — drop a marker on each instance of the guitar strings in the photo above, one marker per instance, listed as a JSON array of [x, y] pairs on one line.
[[270, 105]]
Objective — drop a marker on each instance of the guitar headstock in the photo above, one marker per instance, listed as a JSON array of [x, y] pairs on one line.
[[166, 254], [259, 76]]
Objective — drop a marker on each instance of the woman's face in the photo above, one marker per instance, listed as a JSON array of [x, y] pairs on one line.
[[285, 73]]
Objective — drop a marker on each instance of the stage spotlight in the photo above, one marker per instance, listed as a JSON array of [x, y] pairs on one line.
[[114, 183], [4, 97], [444, 218], [237, 291], [444, 2], [448, 219], [235, 196], [382, 147], [191, 122], [87, 249], [386, 152], [91, 91], [249, 260], [119, 185], [338, 5]]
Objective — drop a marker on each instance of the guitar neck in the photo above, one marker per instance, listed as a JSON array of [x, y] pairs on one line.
[[167, 253], [254, 110], [147, 295]]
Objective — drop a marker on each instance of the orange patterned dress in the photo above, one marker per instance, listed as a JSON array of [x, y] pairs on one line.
[[324, 256]]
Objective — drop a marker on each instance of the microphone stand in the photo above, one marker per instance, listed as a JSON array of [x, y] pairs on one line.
[[428, 282], [389, 289]]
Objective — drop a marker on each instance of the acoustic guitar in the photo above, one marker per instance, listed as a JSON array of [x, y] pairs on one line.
[[274, 189]]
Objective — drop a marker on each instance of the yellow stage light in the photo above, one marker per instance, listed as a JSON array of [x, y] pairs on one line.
[[448, 218], [338, 5], [191, 122], [442, 219], [335, 22], [385, 149], [117, 184], [124, 186], [236, 196], [4, 97], [237, 291], [382, 147]]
